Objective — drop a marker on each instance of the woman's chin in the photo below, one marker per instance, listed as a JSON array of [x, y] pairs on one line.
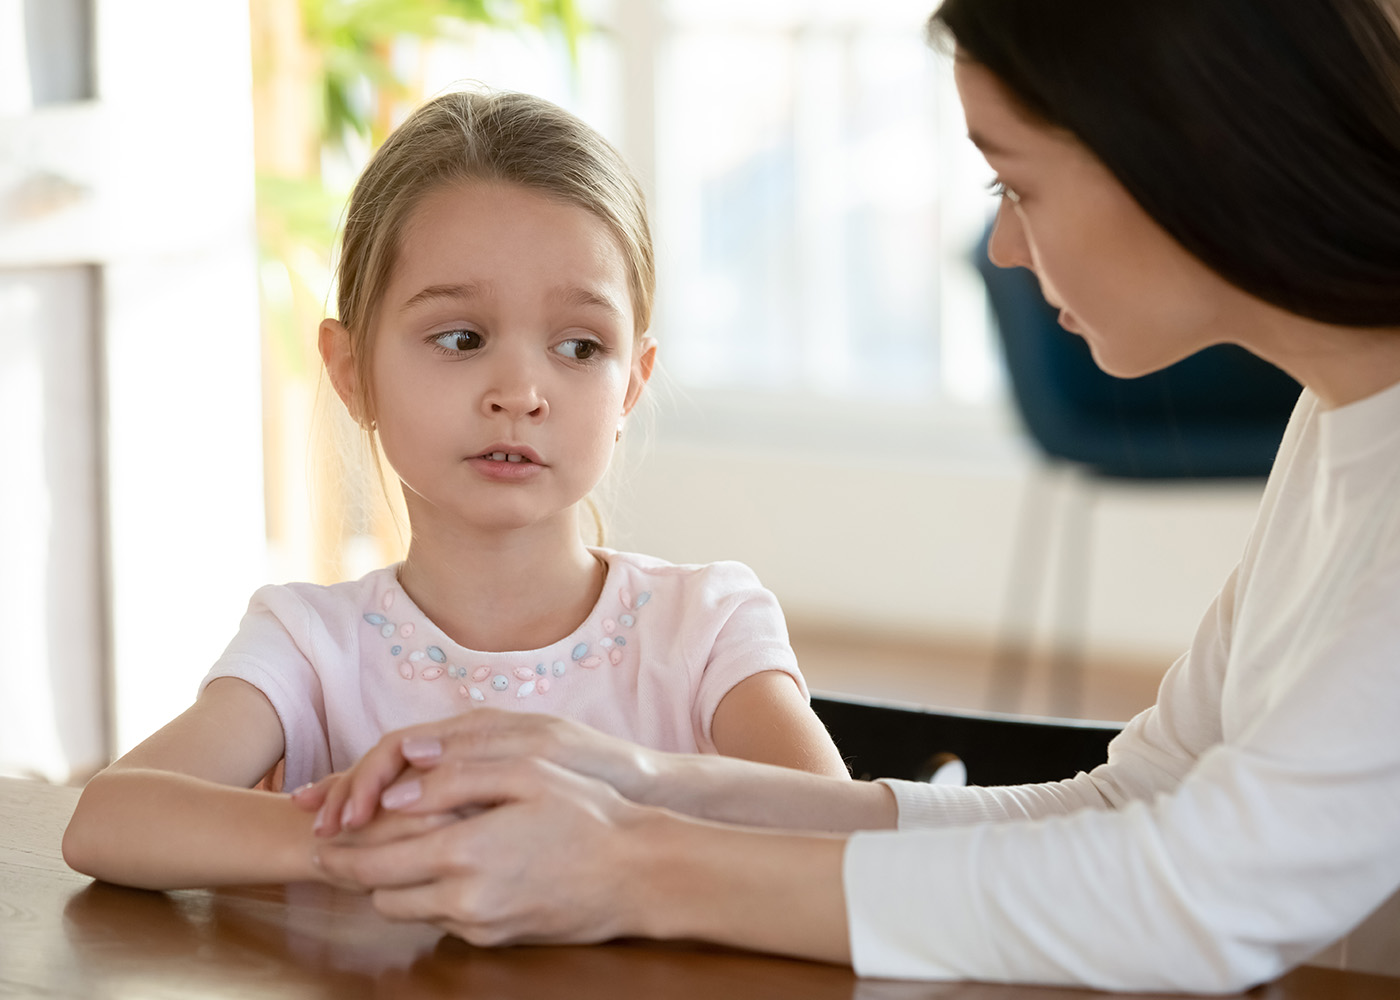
[[1120, 367]]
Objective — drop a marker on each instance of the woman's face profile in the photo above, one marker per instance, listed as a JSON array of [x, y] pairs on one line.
[[1120, 281]]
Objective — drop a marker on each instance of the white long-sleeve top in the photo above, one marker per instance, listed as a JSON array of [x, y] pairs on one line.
[[1241, 825]]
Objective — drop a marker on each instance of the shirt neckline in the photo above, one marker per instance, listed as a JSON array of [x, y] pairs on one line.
[[1351, 432], [410, 607]]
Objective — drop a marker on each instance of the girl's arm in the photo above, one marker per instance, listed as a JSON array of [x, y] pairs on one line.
[[179, 810], [765, 718]]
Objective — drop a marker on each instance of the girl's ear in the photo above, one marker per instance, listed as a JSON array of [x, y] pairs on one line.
[[642, 364], [334, 342]]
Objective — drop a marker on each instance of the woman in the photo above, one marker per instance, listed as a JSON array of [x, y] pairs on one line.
[[1178, 173]]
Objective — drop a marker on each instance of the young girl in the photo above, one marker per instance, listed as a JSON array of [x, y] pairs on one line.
[[1176, 173], [495, 285]]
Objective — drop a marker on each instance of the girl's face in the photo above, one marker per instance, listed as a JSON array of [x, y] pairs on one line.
[[1138, 298], [504, 357]]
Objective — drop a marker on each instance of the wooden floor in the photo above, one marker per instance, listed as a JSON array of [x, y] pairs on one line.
[[962, 677]]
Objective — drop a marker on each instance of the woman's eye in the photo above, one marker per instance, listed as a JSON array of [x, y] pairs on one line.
[[999, 189], [579, 349], [458, 340]]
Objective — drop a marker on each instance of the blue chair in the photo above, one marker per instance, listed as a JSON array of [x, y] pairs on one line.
[[1217, 414]]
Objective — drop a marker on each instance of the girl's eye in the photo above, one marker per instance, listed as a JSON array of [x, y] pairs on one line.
[[579, 349], [999, 190], [458, 340]]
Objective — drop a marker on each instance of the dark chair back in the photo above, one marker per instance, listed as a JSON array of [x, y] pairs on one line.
[[890, 741], [1220, 412]]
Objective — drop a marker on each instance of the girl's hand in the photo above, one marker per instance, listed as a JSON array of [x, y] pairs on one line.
[[386, 828], [351, 799], [326, 797], [549, 856]]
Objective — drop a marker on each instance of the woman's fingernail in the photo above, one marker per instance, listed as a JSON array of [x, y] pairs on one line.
[[398, 796], [304, 788], [421, 748], [346, 813], [320, 822]]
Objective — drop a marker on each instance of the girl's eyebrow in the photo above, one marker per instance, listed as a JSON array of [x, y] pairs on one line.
[[576, 295], [470, 290], [573, 295]]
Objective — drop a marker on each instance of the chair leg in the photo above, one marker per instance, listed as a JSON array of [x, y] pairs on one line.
[[1011, 654], [1066, 673]]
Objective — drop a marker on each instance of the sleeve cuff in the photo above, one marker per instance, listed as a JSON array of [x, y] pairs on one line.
[[922, 806]]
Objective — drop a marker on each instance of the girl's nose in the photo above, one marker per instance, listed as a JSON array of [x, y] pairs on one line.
[[1007, 246], [516, 393]]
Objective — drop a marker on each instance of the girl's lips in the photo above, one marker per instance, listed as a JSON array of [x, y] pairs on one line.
[[515, 454], [503, 470]]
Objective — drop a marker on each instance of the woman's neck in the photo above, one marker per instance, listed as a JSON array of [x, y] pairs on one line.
[[497, 591], [1340, 364]]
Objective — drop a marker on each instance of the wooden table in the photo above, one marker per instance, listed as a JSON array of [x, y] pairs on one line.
[[62, 935]]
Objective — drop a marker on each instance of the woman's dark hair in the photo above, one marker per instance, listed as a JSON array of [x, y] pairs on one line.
[[1264, 135]]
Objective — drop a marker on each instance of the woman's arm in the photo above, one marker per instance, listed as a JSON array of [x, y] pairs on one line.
[[707, 786], [178, 810], [765, 718]]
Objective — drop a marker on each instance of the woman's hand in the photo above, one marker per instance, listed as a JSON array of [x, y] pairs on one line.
[[545, 854], [350, 799]]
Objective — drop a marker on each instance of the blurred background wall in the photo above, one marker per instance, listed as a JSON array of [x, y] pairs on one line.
[[832, 410]]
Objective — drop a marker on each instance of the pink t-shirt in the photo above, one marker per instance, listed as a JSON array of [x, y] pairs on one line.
[[345, 664]]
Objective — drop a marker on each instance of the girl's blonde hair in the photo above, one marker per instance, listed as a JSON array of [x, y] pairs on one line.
[[481, 136]]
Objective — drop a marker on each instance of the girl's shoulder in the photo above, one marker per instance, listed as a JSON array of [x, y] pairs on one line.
[[330, 606], [707, 582]]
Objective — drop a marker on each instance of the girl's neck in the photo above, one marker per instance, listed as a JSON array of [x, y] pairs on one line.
[[500, 591]]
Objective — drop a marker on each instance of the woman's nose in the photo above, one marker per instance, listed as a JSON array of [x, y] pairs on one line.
[[1007, 246]]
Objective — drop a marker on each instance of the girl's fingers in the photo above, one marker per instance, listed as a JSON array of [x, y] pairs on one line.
[[310, 795], [327, 822], [364, 782], [431, 855], [398, 863], [386, 828]]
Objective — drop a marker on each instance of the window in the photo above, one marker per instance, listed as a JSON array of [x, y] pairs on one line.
[[816, 202]]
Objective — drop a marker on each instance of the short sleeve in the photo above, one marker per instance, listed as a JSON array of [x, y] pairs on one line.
[[273, 651], [743, 628]]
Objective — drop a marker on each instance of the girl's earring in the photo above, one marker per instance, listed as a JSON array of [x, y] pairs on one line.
[[619, 432]]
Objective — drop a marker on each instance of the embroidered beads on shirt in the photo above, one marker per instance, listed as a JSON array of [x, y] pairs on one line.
[[479, 683]]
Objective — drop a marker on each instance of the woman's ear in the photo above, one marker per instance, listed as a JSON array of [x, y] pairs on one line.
[[642, 364], [334, 342]]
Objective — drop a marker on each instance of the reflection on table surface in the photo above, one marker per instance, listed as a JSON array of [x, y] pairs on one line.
[[64, 935]]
